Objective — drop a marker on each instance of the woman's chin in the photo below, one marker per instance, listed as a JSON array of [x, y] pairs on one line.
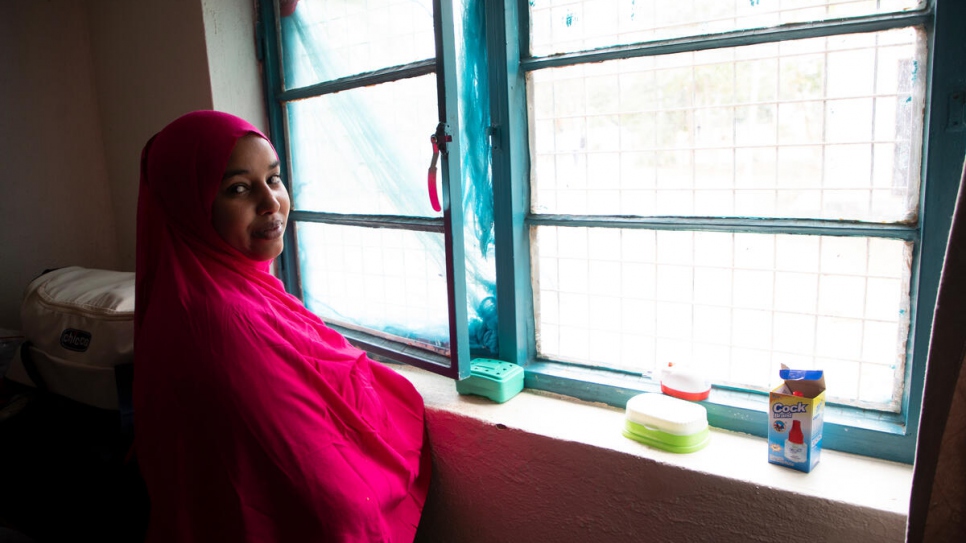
[[264, 250]]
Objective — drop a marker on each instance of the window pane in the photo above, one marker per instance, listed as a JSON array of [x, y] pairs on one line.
[[389, 281], [566, 26], [735, 305], [818, 128], [325, 40], [366, 150]]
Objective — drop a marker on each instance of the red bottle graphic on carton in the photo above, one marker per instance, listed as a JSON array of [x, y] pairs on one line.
[[795, 450]]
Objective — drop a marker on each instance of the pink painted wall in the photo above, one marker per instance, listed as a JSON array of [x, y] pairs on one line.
[[492, 484]]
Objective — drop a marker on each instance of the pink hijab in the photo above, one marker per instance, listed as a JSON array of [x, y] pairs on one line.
[[253, 420]]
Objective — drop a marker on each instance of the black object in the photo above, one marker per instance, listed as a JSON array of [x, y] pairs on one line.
[[66, 470]]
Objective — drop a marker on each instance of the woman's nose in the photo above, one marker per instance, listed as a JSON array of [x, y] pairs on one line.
[[268, 201]]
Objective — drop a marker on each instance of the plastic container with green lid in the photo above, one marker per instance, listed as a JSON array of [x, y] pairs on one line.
[[666, 423]]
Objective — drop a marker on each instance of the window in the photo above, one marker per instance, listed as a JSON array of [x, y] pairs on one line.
[[728, 184], [358, 88]]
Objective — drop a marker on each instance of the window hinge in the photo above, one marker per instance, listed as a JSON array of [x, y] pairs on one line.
[[259, 42], [957, 111], [493, 135]]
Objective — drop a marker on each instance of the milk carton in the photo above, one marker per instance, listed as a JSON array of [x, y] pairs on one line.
[[795, 413]]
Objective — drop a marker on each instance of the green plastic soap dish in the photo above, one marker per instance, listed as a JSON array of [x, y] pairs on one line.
[[666, 423], [493, 379]]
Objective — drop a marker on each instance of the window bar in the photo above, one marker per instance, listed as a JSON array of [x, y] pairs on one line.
[[401, 222], [716, 224], [508, 107], [384, 75], [447, 94], [271, 56], [735, 38]]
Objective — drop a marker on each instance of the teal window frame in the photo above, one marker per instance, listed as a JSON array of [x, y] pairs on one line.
[[854, 430], [456, 365]]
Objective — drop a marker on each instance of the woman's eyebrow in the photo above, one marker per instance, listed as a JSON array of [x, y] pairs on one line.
[[232, 173]]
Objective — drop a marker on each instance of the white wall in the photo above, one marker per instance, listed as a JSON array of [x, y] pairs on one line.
[[83, 85], [56, 207], [236, 84], [156, 60], [150, 66]]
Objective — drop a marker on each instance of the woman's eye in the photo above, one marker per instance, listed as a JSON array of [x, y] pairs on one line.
[[275, 179], [237, 189]]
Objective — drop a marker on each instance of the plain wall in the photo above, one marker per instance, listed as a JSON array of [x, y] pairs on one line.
[[236, 80], [494, 484], [56, 206], [84, 84], [150, 66]]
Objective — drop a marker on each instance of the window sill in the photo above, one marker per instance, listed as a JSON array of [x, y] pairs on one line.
[[847, 429], [839, 477]]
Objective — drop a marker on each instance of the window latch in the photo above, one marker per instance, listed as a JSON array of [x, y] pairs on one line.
[[439, 141]]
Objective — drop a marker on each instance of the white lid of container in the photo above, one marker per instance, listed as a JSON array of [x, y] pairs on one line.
[[667, 414]]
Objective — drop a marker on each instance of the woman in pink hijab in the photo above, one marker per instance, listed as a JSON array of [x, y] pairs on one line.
[[253, 420]]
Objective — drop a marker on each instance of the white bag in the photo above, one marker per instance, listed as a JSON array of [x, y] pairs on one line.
[[79, 328]]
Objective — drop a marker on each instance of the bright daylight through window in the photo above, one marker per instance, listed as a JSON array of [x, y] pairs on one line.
[[372, 140], [820, 128], [730, 184]]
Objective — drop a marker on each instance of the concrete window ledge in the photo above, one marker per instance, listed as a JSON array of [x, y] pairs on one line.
[[542, 467]]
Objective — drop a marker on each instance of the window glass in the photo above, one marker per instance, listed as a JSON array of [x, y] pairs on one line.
[[365, 150], [815, 128], [566, 26], [735, 305], [357, 132], [325, 40], [379, 279]]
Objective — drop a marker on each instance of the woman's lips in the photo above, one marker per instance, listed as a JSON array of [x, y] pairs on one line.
[[270, 232]]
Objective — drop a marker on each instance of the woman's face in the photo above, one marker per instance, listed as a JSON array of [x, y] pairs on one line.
[[251, 208]]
